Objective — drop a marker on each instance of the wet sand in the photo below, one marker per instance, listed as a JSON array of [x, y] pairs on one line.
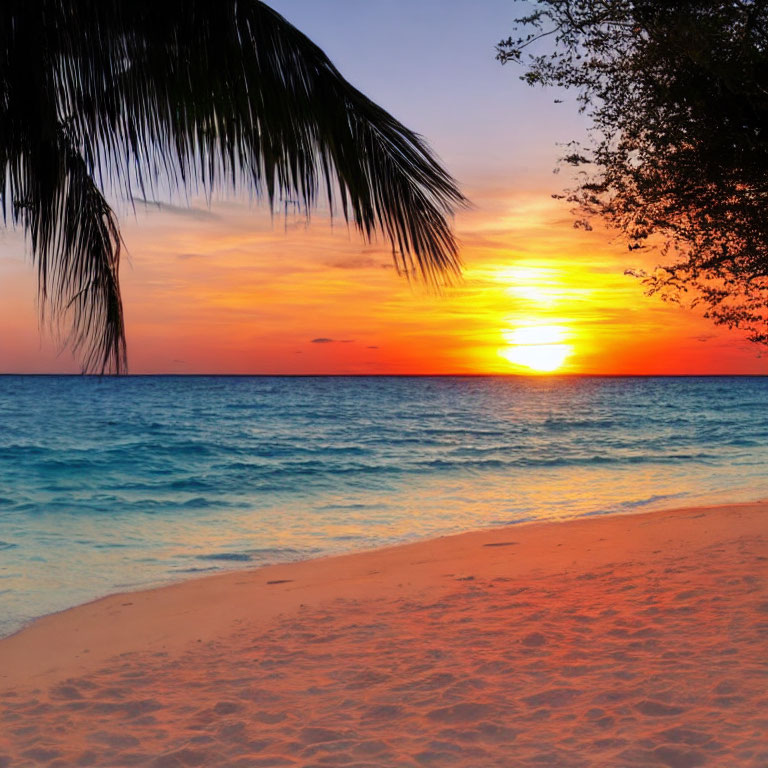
[[617, 641]]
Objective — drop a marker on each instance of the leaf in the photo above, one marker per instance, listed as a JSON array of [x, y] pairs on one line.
[[195, 94]]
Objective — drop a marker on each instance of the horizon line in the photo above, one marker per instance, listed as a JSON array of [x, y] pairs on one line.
[[395, 375]]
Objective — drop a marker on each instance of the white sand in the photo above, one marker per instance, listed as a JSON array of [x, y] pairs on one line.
[[620, 641]]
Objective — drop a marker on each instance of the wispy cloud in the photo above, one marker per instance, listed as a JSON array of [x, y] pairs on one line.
[[360, 262], [189, 211]]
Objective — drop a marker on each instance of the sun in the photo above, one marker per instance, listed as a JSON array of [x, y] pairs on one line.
[[544, 358], [540, 348]]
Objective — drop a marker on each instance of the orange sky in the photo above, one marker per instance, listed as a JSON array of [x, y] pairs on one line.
[[224, 290], [227, 291]]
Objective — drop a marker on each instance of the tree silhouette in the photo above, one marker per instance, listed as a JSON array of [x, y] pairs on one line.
[[677, 91], [132, 94]]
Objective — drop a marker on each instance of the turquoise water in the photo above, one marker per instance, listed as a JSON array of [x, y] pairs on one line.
[[111, 484]]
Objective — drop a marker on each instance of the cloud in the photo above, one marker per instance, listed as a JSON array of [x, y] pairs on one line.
[[372, 347], [359, 262], [190, 211], [324, 340]]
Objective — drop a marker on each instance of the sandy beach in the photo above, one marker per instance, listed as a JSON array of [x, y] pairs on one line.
[[614, 641]]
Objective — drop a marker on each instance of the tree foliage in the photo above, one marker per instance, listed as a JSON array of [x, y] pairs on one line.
[[677, 93], [129, 94]]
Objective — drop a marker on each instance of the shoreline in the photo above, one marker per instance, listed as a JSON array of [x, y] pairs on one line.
[[709, 501], [277, 569], [661, 616]]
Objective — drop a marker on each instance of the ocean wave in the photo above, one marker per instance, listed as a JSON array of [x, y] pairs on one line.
[[558, 462], [134, 481], [258, 554]]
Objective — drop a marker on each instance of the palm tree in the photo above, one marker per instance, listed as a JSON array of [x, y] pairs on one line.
[[127, 95]]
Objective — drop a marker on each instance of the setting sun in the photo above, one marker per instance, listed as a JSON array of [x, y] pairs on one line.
[[539, 348]]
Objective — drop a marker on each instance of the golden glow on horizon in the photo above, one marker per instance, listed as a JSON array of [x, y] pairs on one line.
[[533, 341], [538, 347], [530, 284], [535, 335], [227, 291]]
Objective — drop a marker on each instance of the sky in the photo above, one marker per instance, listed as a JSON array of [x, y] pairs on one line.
[[225, 288]]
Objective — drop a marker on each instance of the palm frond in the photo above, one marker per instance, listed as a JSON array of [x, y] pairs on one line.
[[212, 93], [76, 244]]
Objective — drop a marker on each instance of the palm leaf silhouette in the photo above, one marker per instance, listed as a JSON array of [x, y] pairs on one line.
[[190, 94]]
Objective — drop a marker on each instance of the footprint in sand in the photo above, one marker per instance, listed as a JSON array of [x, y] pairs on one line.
[[534, 640], [657, 708]]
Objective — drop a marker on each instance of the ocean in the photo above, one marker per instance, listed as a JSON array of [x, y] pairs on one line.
[[111, 484]]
